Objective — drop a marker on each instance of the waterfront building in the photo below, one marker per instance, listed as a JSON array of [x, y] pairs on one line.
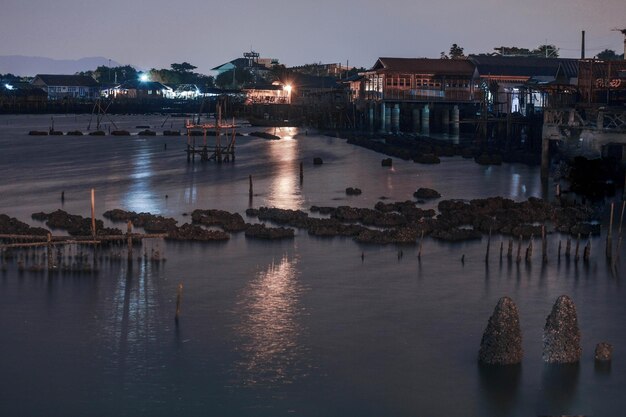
[[67, 86]]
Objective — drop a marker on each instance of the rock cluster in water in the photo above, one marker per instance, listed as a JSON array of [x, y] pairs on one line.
[[12, 226], [74, 224], [502, 340], [604, 352], [561, 336]]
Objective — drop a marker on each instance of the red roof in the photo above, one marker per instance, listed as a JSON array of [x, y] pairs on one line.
[[461, 67]]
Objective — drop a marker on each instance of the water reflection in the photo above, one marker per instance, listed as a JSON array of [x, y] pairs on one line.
[[499, 387], [270, 330], [139, 197], [559, 389], [284, 188], [131, 329]]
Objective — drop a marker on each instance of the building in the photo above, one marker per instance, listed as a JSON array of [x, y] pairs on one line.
[[421, 80], [275, 93], [602, 82], [60, 87], [142, 90], [524, 84]]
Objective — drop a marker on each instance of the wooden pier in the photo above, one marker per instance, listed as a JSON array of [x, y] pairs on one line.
[[216, 151]]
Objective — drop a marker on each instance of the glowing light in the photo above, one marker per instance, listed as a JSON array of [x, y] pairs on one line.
[[287, 88], [8, 86], [144, 77]]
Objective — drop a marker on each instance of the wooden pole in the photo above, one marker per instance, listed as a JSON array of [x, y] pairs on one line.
[[419, 251], [544, 244], [501, 249], [619, 233], [568, 247], [519, 250], [93, 212], [529, 250], [301, 173], [179, 295], [509, 253], [559, 255], [609, 235], [587, 250], [129, 231], [576, 255], [250, 191], [49, 253]]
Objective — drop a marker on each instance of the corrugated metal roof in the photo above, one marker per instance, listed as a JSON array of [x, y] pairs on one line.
[[462, 67], [520, 66], [67, 80]]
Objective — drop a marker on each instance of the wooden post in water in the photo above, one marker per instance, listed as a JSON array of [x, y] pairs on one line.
[[301, 173], [559, 255], [129, 231], [544, 244], [529, 250], [576, 255], [501, 249], [250, 191], [587, 250], [609, 236], [509, 253], [519, 250], [179, 295], [49, 253], [419, 251], [619, 232], [488, 246], [93, 213], [568, 247]]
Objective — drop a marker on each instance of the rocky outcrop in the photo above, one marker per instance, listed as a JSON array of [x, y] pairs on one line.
[[604, 352], [317, 161], [151, 223], [12, 226], [264, 135], [74, 224], [230, 222], [426, 193], [353, 191], [502, 340], [561, 336], [260, 231], [387, 162], [197, 233]]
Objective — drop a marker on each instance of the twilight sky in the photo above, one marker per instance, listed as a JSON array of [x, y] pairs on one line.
[[208, 33]]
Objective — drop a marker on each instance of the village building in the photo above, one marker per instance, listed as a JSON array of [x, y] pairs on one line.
[[142, 90], [60, 87], [275, 93], [521, 84]]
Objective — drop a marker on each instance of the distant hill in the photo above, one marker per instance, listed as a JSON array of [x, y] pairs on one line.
[[32, 65]]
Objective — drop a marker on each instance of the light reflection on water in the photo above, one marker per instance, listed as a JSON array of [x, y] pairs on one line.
[[284, 188], [269, 308], [139, 197]]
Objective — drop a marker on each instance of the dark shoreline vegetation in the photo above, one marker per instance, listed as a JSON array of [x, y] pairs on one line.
[[386, 223]]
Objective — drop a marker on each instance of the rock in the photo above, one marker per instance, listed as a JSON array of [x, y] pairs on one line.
[[151, 223], [74, 133], [561, 336], [230, 222], [97, 133], [198, 233], [259, 231], [317, 161], [353, 191], [74, 224], [56, 133], [147, 133], [427, 158], [264, 135], [426, 193], [38, 133], [171, 133], [502, 340], [604, 351], [386, 162], [12, 226], [120, 133]]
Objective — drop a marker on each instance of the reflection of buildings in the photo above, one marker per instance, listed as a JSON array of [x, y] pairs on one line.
[[270, 329]]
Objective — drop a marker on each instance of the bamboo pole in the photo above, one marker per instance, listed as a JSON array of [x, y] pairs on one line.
[[250, 190], [609, 235], [93, 212], [179, 294]]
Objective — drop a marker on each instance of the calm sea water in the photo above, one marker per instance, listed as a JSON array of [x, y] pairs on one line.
[[302, 327]]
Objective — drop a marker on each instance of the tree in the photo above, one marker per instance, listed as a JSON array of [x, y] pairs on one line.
[[184, 68], [456, 52], [546, 51], [608, 55], [443, 55]]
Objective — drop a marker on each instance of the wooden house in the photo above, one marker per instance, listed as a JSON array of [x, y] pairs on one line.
[[67, 86], [421, 80]]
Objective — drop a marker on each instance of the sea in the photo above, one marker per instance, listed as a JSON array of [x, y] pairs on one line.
[[307, 326]]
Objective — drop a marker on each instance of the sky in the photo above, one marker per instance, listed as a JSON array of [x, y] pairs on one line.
[[208, 33]]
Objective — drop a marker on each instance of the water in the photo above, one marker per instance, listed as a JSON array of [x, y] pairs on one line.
[[300, 327]]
